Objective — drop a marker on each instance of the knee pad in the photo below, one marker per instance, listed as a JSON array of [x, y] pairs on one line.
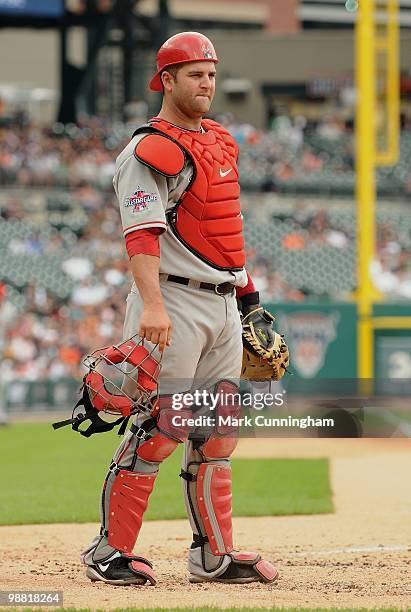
[[223, 440], [168, 435]]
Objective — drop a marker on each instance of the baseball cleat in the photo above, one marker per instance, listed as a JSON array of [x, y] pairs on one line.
[[122, 570], [244, 568]]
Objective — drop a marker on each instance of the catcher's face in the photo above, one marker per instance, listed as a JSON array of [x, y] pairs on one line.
[[192, 89]]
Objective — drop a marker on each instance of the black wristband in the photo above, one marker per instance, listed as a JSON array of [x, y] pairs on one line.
[[250, 299]]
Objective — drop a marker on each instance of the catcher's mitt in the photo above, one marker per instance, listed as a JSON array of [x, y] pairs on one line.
[[265, 354]]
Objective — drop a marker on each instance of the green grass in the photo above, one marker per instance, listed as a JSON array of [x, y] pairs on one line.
[[56, 476]]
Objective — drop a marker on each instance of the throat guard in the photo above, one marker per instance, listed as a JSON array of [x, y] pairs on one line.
[[207, 218]]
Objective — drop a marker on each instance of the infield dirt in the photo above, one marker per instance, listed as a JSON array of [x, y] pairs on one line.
[[358, 557]]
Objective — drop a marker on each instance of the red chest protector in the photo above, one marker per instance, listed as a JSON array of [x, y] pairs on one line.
[[207, 218]]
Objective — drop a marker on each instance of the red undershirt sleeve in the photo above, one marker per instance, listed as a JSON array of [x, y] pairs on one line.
[[144, 242], [249, 288]]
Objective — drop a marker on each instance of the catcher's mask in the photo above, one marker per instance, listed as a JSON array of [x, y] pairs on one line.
[[121, 380]]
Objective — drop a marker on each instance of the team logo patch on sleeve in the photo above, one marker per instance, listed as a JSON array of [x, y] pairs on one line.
[[139, 200]]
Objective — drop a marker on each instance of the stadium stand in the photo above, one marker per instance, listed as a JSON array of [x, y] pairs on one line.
[[62, 255]]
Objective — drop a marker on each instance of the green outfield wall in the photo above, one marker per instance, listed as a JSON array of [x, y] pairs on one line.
[[322, 338]]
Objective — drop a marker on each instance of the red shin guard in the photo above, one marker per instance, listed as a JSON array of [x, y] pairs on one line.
[[128, 502], [214, 504]]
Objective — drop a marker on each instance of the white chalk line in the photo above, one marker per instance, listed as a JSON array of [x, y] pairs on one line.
[[351, 550]]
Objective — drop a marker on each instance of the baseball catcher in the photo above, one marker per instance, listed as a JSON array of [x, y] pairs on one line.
[[177, 187]]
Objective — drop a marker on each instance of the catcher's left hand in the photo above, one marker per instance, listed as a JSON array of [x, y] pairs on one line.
[[265, 354]]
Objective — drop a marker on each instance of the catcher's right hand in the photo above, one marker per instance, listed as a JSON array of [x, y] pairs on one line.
[[265, 354]]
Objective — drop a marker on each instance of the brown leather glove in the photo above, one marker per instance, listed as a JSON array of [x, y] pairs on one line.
[[265, 354]]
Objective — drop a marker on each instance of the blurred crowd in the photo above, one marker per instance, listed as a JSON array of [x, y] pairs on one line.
[[48, 339], [71, 156], [391, 270], [293, 151], [52, 333], [285, 150]]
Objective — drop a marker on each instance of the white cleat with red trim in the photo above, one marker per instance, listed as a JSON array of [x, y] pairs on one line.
[[244, 567]]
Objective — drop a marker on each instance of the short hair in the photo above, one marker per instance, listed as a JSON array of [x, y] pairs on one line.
[[173, 70]]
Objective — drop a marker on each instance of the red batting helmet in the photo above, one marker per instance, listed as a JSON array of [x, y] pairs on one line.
[[179, 49]]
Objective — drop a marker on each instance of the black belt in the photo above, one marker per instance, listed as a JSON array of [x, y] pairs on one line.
[[221, 289]]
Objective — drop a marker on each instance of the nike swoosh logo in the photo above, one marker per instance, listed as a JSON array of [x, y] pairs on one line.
[[104, 566], [224, 173]]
